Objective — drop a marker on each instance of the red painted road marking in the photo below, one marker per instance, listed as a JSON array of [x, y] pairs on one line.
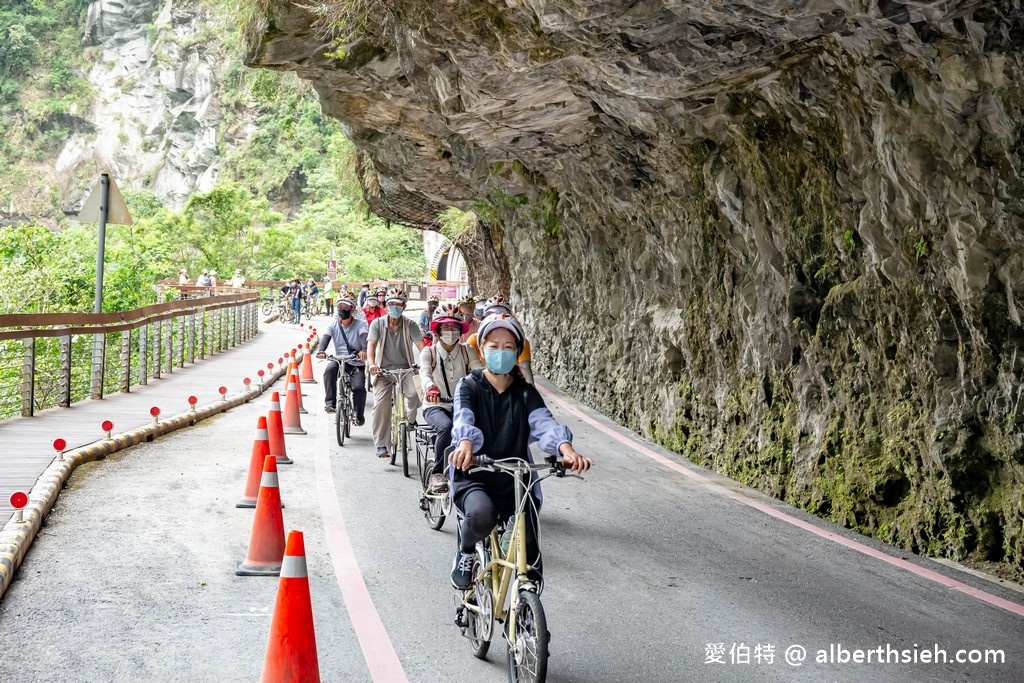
[[374, 641], [938, 578]]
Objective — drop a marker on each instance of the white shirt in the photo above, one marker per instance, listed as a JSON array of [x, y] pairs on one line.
[[441, 369]]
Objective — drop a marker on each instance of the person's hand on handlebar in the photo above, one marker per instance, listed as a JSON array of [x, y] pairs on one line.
[[462, 456], [573, 461], [362, 355], [321, 355], [374, 370], [433, 395]]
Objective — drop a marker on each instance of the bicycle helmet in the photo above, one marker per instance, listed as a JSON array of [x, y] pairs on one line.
[[396, 295], [497, 304], [346, 300], [501, 321], [448, 313]]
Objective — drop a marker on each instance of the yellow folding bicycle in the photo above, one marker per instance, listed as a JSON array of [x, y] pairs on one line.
[[400, 427], [502, 589]]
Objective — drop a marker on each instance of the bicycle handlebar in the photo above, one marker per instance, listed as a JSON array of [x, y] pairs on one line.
[[387, 373], [515, 465]]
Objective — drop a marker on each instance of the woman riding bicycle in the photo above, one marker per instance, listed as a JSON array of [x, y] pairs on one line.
[[499, 413], [442, 365]]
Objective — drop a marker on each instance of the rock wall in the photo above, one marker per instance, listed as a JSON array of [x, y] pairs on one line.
[[155, 72], [782, 238]]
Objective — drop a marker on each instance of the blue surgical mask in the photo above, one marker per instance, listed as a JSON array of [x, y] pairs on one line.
[[395, 311], [500, 361]]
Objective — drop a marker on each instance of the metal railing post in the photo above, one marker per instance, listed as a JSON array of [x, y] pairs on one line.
[[144, 355], [126, 361], [157, 348], [181, 342], [192, 338], [28, 377], [170, 345], [99, 350], [202, 333], [64, 383]]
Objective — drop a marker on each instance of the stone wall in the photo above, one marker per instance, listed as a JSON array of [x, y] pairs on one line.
[[782, 238]]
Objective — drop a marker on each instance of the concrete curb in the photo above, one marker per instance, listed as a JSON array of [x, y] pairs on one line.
[[16, 537]]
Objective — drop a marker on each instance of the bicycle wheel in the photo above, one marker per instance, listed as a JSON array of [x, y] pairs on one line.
[[403, 429], [528, 656], [350, 414], [481, 624], [340, 421], [267, 308]]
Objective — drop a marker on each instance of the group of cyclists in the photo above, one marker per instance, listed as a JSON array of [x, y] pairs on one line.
[[478, 392]]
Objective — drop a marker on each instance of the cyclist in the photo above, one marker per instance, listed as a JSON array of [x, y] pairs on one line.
[[394, 341], [312, 293], [497, 304], [428, 315], [499, 413], [466, 308], [373, 309], [349, 337], [442, 365], [295, 296]]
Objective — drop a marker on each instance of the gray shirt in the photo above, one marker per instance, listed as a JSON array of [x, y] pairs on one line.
[[395, 356], [347, 340]]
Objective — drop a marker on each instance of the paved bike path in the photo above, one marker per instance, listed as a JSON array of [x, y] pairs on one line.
[[646, 568]]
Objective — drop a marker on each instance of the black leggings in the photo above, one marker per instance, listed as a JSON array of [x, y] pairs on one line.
[[441, 420], [481, 512], [357, 373]]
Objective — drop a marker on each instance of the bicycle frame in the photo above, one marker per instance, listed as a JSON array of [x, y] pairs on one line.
[[397, 399], [500, 570]]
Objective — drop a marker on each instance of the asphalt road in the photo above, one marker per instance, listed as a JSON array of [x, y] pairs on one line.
[[650, 572]]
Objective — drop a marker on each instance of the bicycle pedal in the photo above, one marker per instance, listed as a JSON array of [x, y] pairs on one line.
[[424, 506], [460, 618]]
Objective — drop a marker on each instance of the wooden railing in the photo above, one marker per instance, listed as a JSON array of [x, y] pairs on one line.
[[49, 360]]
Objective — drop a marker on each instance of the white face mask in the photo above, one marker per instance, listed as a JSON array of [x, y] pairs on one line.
[[450, 337]]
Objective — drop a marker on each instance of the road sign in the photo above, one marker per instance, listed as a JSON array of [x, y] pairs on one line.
[[332, 269], [117, 211]]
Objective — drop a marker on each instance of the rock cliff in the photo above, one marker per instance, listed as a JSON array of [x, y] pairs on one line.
[[782, 238]]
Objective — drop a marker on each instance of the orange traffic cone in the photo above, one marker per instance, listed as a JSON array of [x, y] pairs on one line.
[[291, 648], [306, 375], [293, 366], [292, 421], [275, 428], [298, 392], [260, 451], [266, 545]]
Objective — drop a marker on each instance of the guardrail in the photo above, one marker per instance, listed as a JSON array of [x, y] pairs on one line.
[[49, 360]]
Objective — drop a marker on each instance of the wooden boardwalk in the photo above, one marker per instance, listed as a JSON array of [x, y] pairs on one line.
[[27, 443]]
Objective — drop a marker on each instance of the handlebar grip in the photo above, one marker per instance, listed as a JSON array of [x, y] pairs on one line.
[[484, 460]]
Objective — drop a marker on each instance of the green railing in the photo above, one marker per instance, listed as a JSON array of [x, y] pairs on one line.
[[49, 360]]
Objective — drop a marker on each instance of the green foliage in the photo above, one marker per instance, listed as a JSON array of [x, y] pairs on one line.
[[455, 223]]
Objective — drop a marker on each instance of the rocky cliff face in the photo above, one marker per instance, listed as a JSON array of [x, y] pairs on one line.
[[155, 72], [783, 238]]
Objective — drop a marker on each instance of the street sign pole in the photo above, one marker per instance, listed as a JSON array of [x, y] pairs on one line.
[[104, 204]]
